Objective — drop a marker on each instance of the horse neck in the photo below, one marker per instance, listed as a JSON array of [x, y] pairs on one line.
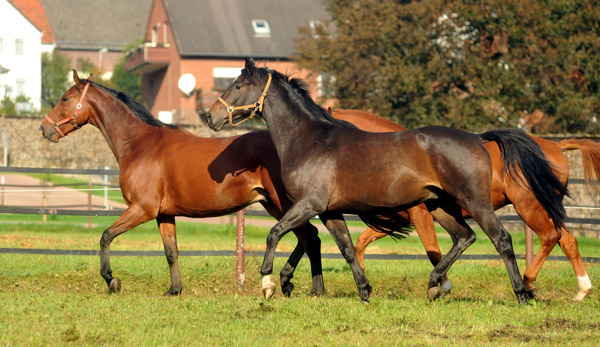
[[288, 125], [118, 124]]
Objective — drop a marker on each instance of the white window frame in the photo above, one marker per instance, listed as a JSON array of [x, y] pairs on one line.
[[261, 28]]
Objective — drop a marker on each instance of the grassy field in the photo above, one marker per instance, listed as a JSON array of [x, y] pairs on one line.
[[58, 300]]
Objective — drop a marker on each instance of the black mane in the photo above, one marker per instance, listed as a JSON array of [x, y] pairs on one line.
[[299, 95], [138, 109]]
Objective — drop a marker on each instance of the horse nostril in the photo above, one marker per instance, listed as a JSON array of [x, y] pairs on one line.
[[41, 129]]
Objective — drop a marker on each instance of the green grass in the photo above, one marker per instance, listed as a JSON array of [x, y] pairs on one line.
[[58, 300]]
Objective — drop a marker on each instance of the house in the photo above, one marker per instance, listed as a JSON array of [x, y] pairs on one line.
[[20, 58], [33, 10], [194, 49], [96, 32]]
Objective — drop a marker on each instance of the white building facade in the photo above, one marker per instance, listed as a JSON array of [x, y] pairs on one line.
[[21, 55]]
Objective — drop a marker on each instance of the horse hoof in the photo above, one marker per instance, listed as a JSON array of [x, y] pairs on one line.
[[115, 285], [287, 289], [268, 287], [445, 288], [315, 293], [434, 293], [268, 292], [172, 292], [532, 292]]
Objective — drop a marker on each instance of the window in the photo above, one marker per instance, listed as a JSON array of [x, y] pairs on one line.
[[261, 28], [314, 25], [19, 46], [20, 87], [223, 76]]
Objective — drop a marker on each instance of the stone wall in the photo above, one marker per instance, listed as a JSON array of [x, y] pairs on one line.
[[87, 149]]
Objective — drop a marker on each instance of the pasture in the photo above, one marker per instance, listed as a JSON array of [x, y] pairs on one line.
[[58, 300]]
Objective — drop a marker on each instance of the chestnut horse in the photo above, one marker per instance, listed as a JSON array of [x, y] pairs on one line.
[[166, 171], [330, 167], [504, 191]]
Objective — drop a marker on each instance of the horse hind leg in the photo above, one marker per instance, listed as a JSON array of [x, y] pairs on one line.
[[503, 243], [569, 246], [166, 225], [364, 239]]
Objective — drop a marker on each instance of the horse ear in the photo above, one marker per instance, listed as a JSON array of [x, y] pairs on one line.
[[330, 110], [75, 77], [91, 77], [250, 65]]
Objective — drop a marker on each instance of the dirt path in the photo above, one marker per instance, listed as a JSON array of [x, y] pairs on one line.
[[25, 191]]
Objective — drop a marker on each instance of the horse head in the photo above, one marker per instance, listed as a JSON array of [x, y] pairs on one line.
[[242, 100], [70, 113]]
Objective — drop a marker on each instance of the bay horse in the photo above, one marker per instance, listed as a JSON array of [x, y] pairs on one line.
[[330, 167], [165, 171], [504, 191]]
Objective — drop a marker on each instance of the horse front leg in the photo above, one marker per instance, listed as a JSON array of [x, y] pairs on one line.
[[297, 215], [166, 225], [422, 220], [309, 242], [132, 217], [339, 231]]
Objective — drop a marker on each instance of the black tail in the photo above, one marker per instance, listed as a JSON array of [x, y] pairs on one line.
[[520, 151], [394, 224]]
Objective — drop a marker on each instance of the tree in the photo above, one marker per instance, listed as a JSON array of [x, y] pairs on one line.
[[467, 64], [126, 81], [55, 76]]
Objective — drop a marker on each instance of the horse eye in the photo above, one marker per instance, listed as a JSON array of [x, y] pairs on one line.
[[64, 99], [238, 86]]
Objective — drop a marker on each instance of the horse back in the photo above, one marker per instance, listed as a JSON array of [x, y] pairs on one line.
[[412, 165]]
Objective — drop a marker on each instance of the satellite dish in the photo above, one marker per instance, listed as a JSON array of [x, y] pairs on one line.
[[187, 84]]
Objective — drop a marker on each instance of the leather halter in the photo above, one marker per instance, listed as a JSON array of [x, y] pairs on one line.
[[73, 117], [258, 106]]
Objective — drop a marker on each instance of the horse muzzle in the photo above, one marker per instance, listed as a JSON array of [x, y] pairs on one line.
[[49, 133], [216, 126]]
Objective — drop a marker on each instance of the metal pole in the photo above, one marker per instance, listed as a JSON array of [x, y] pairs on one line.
[[528, 245], [239, 250]]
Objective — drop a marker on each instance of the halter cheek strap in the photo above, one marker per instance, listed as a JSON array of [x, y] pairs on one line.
[[258, 106], [73, 117]]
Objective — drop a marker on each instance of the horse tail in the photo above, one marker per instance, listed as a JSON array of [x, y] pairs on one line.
[[521, 154], [396, 225], [590, 152]]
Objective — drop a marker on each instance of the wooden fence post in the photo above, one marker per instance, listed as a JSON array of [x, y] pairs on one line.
[[239, 249]]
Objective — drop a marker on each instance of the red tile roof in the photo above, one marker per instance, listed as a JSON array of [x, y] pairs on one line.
[[34, 11]]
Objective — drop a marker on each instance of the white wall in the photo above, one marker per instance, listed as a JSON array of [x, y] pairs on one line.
[[25, 69]]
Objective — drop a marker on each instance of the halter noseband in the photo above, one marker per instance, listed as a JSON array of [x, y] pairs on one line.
[[258, 106], [73, 117]]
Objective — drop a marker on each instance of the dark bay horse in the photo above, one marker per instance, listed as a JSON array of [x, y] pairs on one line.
[[165, 171], [330, 167], [504, 191]]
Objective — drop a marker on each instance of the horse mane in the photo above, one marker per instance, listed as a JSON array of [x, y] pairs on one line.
[[137, 108], [299, 95]]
